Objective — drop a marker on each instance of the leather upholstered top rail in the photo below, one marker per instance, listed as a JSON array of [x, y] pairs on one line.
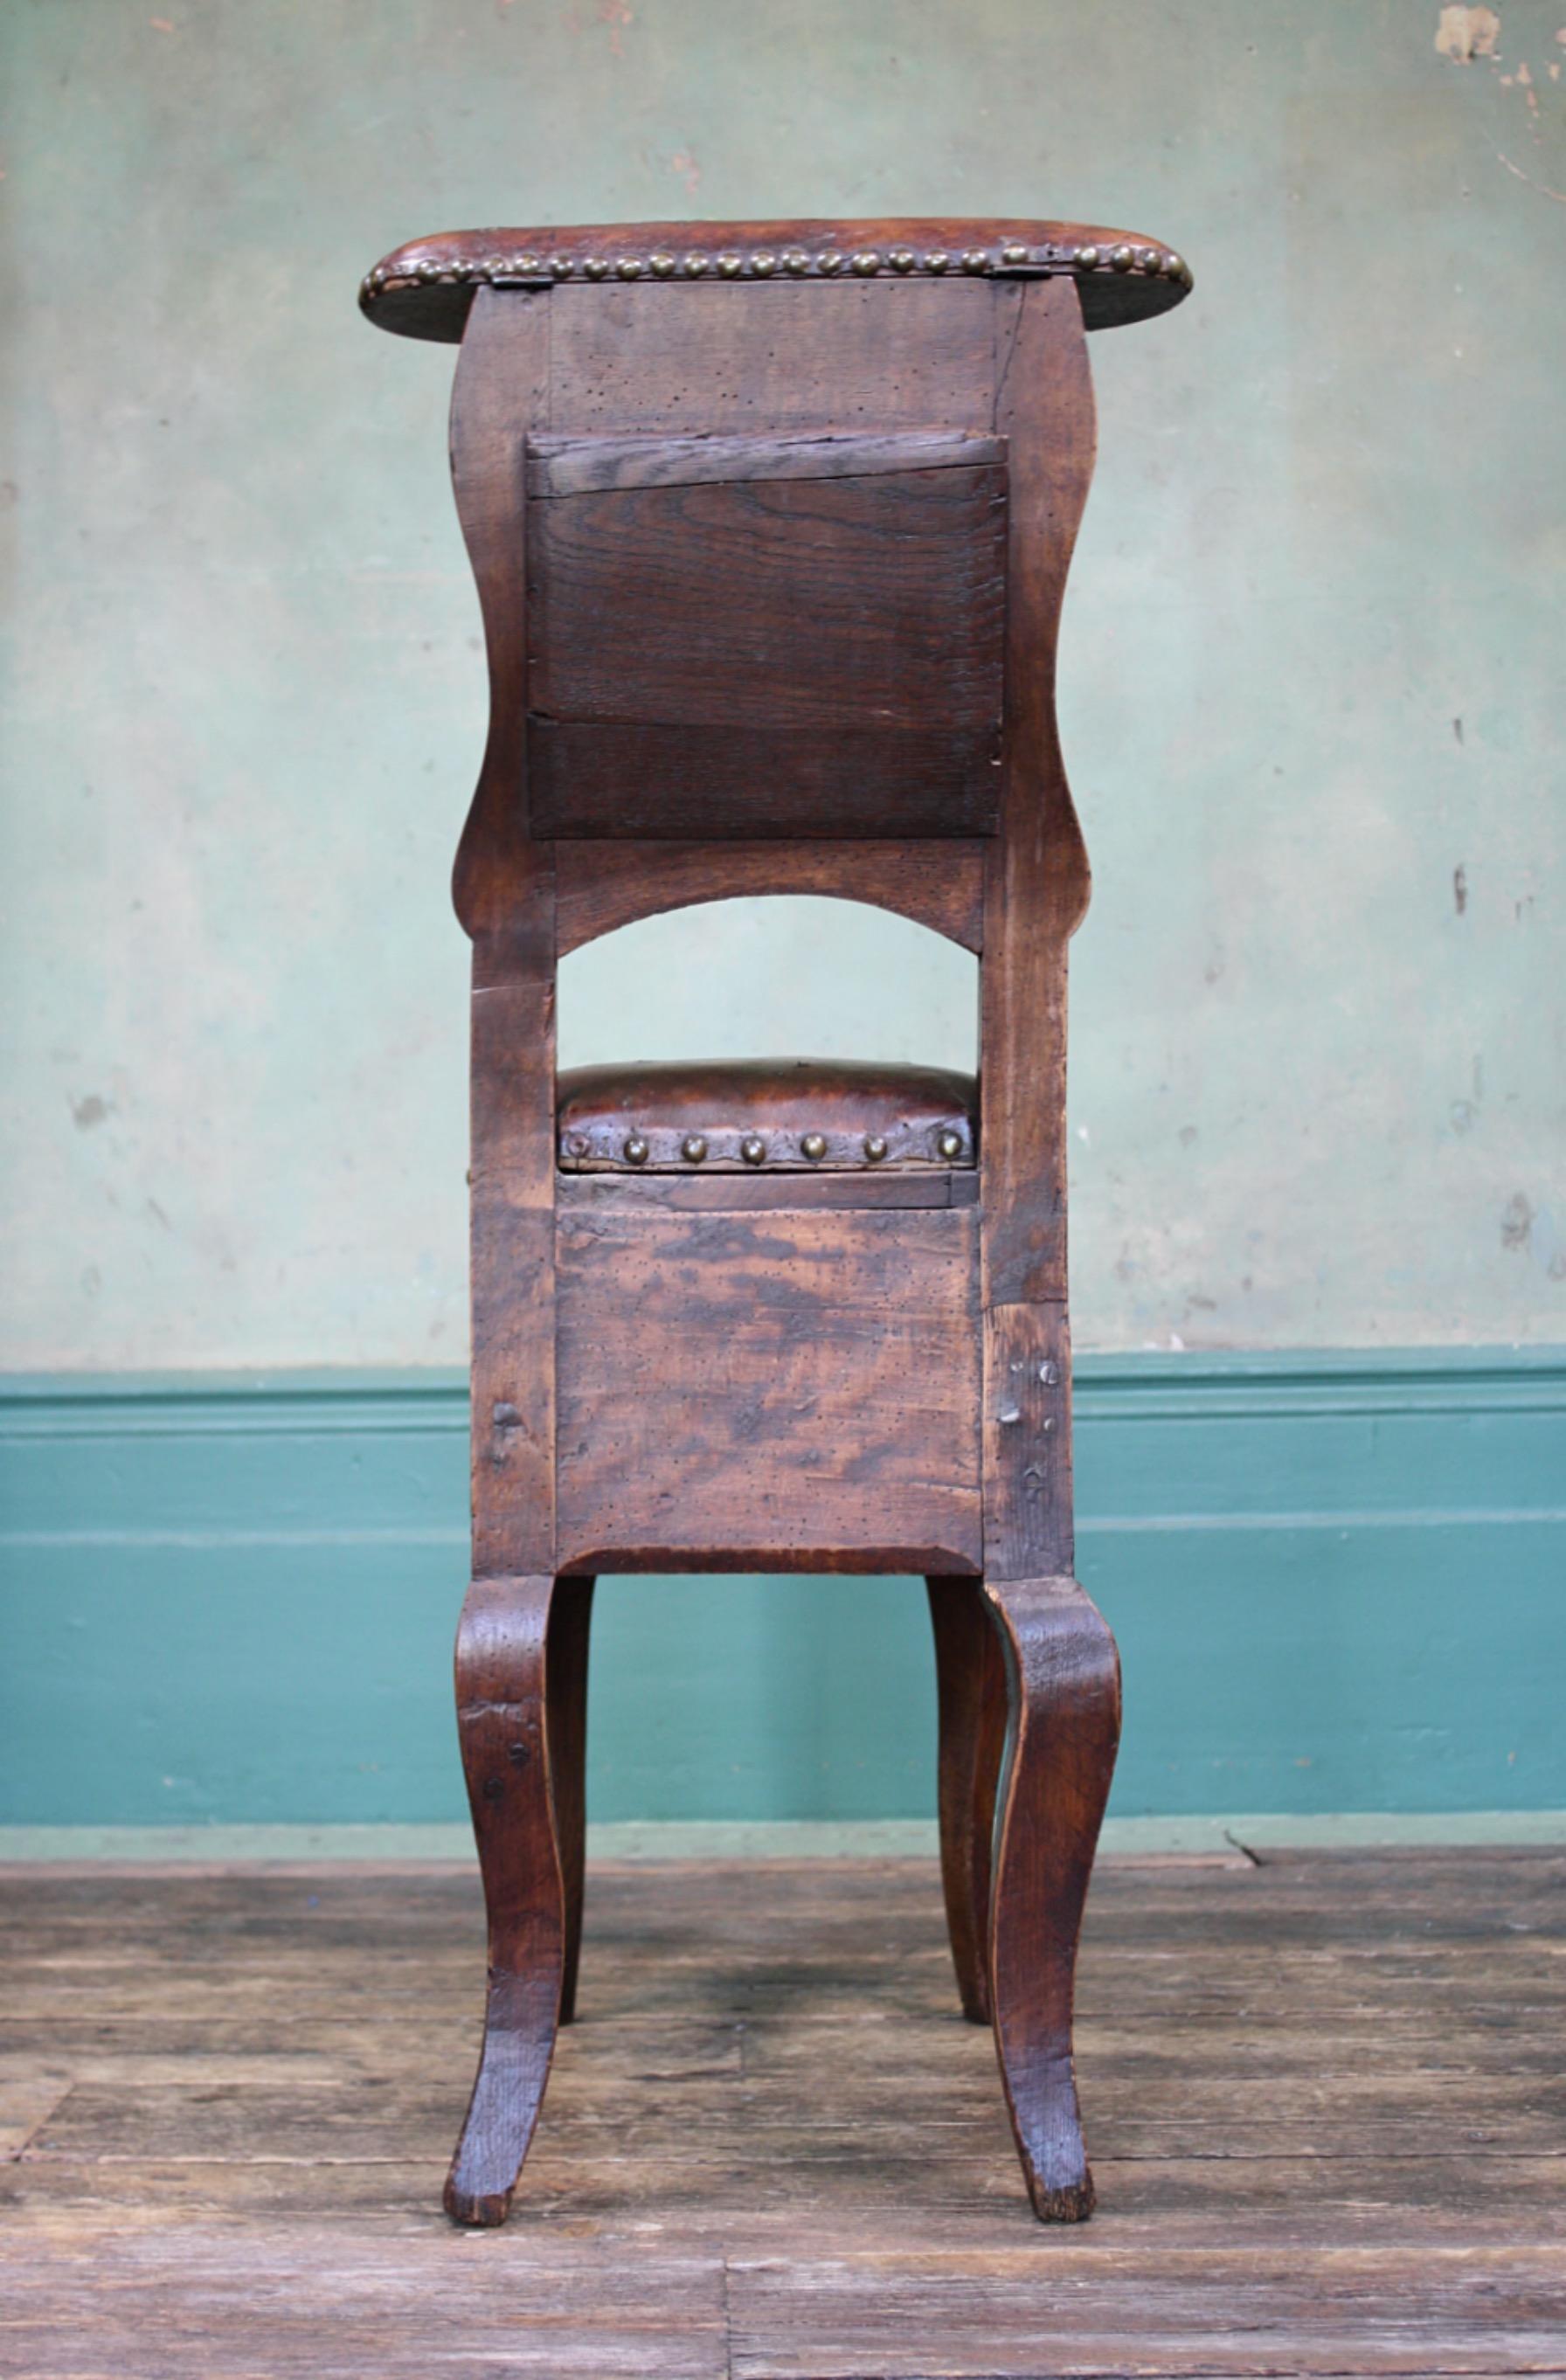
[[424, 289]]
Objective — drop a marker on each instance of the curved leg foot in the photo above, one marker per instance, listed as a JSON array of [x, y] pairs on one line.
[[500, 1702], [1063, 1674], [566, 1660], [971, 1692]]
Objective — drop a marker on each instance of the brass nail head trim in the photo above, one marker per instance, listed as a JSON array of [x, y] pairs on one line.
[[875, 1147], [763, 262], [868, 261], [753, 1148], [693, 1149], [635, 1150], [950, 1144], [1123, 259], [661, 263], [815, 1146]]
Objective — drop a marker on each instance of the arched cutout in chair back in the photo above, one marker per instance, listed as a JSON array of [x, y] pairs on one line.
[[601, 886], [770, 978]]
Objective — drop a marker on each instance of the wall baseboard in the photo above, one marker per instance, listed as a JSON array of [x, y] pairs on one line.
[[1336, 1580], [1239, 1841]]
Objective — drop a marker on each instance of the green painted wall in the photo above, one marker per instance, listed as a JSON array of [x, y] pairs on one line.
[[1336, 1582], [1310, 676]]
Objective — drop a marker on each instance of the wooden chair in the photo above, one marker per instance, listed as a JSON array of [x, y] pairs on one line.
[[771, 524]]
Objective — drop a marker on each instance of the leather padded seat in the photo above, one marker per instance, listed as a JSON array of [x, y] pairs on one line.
[[773, 1114]]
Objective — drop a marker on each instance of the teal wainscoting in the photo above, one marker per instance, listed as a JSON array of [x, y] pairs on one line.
[[1339, 1583]]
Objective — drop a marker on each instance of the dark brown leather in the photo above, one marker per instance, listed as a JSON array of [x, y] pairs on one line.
[[638, 1119], [425, 288]]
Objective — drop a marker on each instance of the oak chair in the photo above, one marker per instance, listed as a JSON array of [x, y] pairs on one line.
[[771, 524]]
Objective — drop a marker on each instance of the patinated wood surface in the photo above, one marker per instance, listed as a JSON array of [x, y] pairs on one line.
[[1327, 2099], [782, 567], [601, 885], [763, 1389], [880, 356]]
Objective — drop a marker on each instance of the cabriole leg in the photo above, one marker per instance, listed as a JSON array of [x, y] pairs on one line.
[[1064, 1677], [500, 1702], [971, 1693]]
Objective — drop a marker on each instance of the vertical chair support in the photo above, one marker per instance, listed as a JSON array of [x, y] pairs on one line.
[[1062, 1672]]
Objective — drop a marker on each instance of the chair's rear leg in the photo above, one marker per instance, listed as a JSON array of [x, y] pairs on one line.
[[970, 1677], [569, 1618], [1064, 1675], [501, 1685]]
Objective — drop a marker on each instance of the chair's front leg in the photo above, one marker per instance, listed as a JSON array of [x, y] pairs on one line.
[[500, 1670], [1064, 1675], [971, 1693]]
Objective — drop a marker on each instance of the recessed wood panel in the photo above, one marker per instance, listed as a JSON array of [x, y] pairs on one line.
[[737, 655], [765, 1389], [850, 604]]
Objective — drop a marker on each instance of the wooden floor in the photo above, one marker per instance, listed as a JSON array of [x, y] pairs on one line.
[[1323, 2096]]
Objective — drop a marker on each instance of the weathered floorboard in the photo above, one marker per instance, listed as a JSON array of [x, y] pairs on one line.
[[1327, 2115]]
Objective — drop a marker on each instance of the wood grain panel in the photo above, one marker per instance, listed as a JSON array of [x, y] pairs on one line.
[[615, 779], [763, 1390], [601, 885], [573, 467], [886, 354], [846, 604]]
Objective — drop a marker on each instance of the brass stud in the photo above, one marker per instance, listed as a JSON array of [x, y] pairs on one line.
[[795, 260], [1013, 254], [1122, 258], [1147, 257], [491, 269], [561, 266], [630, 268], [529, 265], [975, 260], [595, 267], [763, 262], [902, 259], [937, 261], [950, 1144], [1088, 258], [693, 1149], [815, 1146], [753, 1148], [1178, 270], [695, 264], [660, 263], [875, 1147], [829, 261], [427, 269], [868, 261], [731, 265], [635, 1150]]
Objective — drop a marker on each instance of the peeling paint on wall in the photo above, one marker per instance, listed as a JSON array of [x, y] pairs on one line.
[[1465, 34]]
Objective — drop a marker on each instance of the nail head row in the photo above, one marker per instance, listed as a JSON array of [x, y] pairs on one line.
[[635, 1150], [763, 263]]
